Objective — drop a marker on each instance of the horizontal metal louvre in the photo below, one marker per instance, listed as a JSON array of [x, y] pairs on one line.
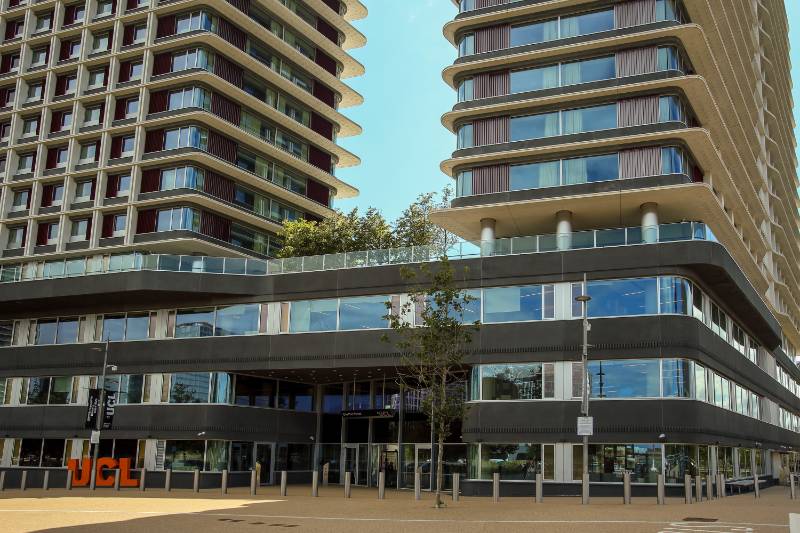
[[637, 111], [480, 4], [488, 84], [637, 61], [634, 13], [490, 179], [640, 162], [492, 38], [492, 130]]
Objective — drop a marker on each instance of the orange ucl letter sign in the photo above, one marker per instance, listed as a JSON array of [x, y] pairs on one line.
[[105, 472]]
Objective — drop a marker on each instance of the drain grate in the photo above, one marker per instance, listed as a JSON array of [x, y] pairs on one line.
[[693, 519]]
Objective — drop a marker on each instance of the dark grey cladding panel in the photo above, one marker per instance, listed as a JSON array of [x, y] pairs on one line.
[[633, 337], [619, 185], [163, 421], [684, 421]]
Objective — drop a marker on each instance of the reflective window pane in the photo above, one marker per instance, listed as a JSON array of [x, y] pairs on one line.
[[190, 387], [625, 378], [511, 382], [623, 297], [237, 320], [313, 315], [363, 313], [194, 323], [512, 304]]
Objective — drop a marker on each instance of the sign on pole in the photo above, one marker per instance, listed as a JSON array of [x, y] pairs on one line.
[[585, 426], [92, 410]]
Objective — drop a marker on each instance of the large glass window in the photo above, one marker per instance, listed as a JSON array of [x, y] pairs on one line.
[[184, 454], [607, 462], [534, 32], [534, 79], [674, 295], [535, 175], [517, 304], [511, 382], [594, 118], [622, 297], [586, 23], [676, 378], [535, 126], [194, 323], [587, 70], [190, 387], [237, 320], [255, 391], [516, 461], [591, 169], [38, 389], [131, 389], [625, 378], [465, 137], [365, 312], [296, 396], [700, 383], [313, 315]]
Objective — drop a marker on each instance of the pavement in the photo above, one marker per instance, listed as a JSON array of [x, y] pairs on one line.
[[80, 511]]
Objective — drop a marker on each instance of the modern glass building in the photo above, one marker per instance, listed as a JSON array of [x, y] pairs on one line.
[[630, 142]]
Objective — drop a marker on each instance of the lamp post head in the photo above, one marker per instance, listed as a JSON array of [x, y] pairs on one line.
[[583, 298]]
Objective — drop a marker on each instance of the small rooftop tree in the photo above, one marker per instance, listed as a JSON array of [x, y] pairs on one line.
[[433, 335]]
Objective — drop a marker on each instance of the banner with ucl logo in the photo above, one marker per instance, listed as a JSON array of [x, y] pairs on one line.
[[94, 407]]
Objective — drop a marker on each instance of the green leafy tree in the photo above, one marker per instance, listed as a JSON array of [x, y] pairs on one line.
[[431, 333], [352, 232]]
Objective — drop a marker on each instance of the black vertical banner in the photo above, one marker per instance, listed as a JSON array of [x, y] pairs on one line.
[[108, 409], [92, 409]]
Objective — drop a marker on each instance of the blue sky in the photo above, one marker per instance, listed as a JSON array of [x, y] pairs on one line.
[[403, 140]]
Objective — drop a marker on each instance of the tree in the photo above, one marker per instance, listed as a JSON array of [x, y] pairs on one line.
[[352, 232], [433, 337]]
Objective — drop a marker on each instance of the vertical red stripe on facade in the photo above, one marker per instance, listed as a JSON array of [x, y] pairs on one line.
[[222, 147], [319, 159], [63, 53], [162, 63], [225, 109], [492, 38], [640, 162], [488, 84], [325, 61], [116, 147], [215, 226], [124, 71], [492, 130], [637, 61], [333, 4], [132, 4], [61, 85], [327, 30], [324, 94], [219, 186], [41, 233], [241, 5], [69, 14], [47, 195], [154, 141], [55, 121], [119, 109], [228, 70], [318, 192], [158, 101], [52, 158], [490, 179], [112, 186], [232, 34], [128, 33], [88, 229], [321, 126], [151, 180], [634, 13], [146, 221], [167, 25], [108, 226]]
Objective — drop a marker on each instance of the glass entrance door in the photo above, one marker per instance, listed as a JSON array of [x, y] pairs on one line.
[[423, 464], [355, 461], [263, 462]]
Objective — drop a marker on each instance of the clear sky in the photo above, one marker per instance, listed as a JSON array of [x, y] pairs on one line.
[[403, 140]]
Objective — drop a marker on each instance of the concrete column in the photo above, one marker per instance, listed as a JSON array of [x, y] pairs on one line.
[[649, 222], [488, 236], [564, 230]]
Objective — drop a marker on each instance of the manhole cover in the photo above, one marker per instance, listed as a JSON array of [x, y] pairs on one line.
[[692, 519]]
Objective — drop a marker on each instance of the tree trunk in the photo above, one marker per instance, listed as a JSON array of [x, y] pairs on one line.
[[442, 422]]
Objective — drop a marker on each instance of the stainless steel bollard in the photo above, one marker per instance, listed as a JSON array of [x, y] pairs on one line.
[[225, 481], [792, 487], [143, 480], [381, 485], [756, 488], [196, 484], [539, 488], [24, 481], [69, 480], [253, 482], [721, 486], [496, 487], [456, 487], [314, 483], [709, 487], [46, 481], [347, 480], [116, 479], [660, 498], [284, 482], [698, 488], [417, 485], [168, 480], [585, 490], [687, 489], [93, 477], [626, 488], [3, 480]]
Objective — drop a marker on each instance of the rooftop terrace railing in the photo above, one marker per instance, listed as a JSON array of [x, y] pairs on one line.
[[108, 264]]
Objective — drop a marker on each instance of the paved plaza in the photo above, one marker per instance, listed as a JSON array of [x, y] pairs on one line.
[[156, 512]]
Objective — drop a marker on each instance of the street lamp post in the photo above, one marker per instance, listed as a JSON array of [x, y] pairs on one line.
[[584, 300], [100, 413]]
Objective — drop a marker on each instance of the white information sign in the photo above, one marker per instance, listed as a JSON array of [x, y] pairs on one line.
[[585, 426]]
